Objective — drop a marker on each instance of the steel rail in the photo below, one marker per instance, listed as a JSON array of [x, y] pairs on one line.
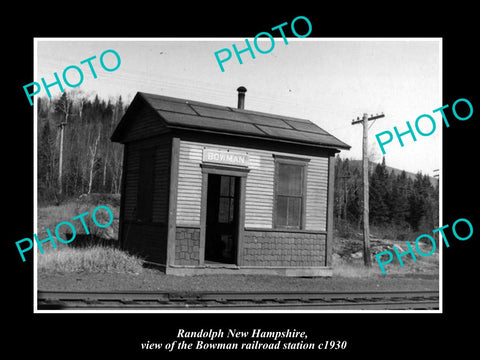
[[171, 300]]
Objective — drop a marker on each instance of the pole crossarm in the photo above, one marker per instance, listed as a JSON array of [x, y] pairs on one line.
[[372, 117]]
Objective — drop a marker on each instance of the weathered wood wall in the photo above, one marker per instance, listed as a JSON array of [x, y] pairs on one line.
[[259, 187], [146, 238]]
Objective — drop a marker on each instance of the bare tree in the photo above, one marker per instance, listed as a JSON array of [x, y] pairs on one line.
[[116, 164], [64, 107], [93, 148], [79, 99], [115, 158]]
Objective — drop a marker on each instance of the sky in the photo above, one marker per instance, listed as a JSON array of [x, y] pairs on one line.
[[330, 81]]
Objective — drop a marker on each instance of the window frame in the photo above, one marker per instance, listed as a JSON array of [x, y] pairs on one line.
[[290, 160], [242, 173]]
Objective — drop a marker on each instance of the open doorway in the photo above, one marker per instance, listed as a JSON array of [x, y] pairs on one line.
[[221, 235]]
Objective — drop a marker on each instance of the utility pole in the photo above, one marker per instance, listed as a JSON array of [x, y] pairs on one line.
[[366, 226]]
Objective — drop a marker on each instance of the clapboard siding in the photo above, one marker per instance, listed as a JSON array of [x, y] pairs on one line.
[[189, 186], [259, 190], [317, 189], [259, 187]]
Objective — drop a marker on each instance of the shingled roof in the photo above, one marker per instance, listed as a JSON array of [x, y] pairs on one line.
[[184, 114]]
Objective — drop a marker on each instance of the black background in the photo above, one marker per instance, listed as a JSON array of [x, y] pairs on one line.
[[372, 335]]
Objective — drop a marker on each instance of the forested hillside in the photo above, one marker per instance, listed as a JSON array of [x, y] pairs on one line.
[[90, 161], [397, 202]]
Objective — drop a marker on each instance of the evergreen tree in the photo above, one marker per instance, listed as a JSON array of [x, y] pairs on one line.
[[398, 200], [63, 107], [416, 202], [378, 194], [336, 191], [354, 210], [430, 201]]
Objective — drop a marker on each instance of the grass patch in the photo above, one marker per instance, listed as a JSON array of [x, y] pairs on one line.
[[80, 255], [89, 259], [346, 269], [52, 215], [355, 268]]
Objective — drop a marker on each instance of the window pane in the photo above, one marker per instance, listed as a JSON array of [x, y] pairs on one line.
[[232, 186], [227, 186], [224, 185], [289, 194], [232, 210], [224, 210], [294, 211], [282, 208], [290, 179]]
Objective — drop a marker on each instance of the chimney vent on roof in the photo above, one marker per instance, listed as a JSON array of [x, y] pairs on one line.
[[241, 97]]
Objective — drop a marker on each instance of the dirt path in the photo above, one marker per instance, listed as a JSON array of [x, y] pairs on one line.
[[155, 280]]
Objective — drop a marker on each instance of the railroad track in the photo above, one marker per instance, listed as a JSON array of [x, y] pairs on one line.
[[358, 300]]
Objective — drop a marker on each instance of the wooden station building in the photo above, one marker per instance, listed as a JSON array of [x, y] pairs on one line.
[[215, 189]]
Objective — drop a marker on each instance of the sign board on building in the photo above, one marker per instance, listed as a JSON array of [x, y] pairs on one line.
[[227, 157]]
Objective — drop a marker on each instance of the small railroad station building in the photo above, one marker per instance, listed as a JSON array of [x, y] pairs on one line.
[[214, 189]]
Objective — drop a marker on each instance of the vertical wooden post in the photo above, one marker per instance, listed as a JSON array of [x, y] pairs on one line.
[[241, 219], [345, 195], [121, 239], [203, 217], [330, 202], [172, 202], [366, 226]]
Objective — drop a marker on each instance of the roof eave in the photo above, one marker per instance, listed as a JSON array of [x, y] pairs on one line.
[[311, 144]]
